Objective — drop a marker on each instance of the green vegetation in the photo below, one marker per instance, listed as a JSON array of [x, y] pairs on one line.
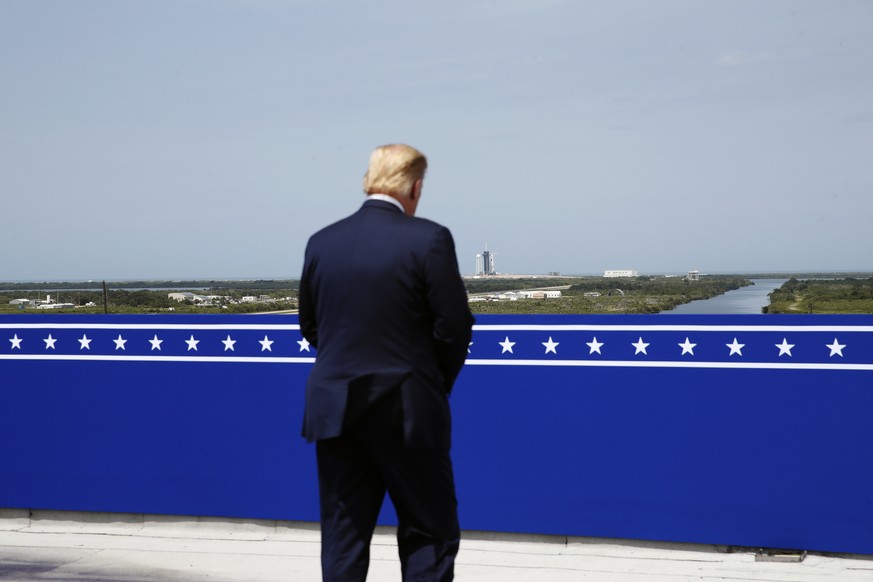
[[268, 296], [848, 295], [580, 295], [808, 275], [503, 284], [636, 295], [259, 285]]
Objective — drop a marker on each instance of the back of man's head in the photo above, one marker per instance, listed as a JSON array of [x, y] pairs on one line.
[[394, 170]]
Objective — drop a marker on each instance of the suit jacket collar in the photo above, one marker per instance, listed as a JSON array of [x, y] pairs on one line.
[[381, 204]]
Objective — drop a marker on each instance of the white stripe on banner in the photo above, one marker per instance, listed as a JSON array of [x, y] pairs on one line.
[[210, 359], [484, 327], [666, 364], [547, 363], [197, 326], [634, 328]]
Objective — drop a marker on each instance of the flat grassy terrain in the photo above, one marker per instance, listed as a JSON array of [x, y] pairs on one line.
[[227, 299], [847, 295], [579, 295], [599, 295]]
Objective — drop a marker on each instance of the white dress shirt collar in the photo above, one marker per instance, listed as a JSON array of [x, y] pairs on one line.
[[386, 198]]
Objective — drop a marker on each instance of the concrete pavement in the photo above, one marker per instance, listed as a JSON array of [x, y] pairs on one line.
[[79, 547]]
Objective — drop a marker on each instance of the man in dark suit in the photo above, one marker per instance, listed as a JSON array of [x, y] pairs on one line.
[[383, 302]]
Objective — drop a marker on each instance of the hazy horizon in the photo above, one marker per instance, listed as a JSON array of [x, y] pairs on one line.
[[751, 274]]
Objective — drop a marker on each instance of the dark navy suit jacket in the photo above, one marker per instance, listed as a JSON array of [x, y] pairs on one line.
[[382, 300]]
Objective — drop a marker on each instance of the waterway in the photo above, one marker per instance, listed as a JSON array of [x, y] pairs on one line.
[[749, 299]]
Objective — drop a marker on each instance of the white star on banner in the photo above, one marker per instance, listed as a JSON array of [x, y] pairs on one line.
[[304, 345], [192, 343], [836, 348], [85, 342], [119, 343], [640, 346], [736, 348], [228, 343], [266, 344], [551, 345], [16, 342], [468, 347], [594, 346], [50, 342], [156, 343], [506, 345], [785, 347], [687, 347]]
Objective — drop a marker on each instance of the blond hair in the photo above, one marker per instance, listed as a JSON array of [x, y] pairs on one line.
[[393, 169]]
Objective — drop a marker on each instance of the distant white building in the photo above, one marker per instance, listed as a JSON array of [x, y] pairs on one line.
[[187, 296], [620, 273], [47, 303], [693, 276], [539, 294]]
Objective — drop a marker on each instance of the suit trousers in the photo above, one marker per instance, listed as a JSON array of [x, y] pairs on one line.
[[354, 472]]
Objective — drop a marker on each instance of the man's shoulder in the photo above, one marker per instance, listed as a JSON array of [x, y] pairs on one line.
[[426, 223], [424, 234], [423, 228], [334, 226]]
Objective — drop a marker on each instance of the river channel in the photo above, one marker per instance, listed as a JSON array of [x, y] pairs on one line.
[[748, 299]]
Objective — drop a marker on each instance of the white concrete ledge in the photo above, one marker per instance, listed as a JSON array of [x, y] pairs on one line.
[[52, 545]]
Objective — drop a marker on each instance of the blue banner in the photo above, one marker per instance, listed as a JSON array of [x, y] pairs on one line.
[[737, 430]]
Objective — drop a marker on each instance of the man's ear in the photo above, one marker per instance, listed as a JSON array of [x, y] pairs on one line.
[[416, 189]]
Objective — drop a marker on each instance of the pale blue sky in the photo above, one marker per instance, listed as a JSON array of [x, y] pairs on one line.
[[210, 138]]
